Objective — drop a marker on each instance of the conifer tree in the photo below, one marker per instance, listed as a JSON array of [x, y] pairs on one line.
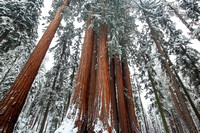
[[12, 103]]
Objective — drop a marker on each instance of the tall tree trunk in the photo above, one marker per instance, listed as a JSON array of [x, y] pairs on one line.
[[183, 20], [177, 123], [36, 119], [4, 35], [92, 88], [159, 104], [177, 109], [6, 74], [129, 98], [188, 96], [122, 111], [183, 105], [172, 125], [50, 97], [66, 106], [102, 98], [115, 119], [40, 118], [46, 127], [183, 86], [45, 116], [145, 122], [79, 96], [12, 103]]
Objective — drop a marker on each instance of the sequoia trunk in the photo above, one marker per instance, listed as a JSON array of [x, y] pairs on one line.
[[129, 98], [102, 98], [79, 96], [92, 88], [115, 119], [122, 112], [12, 103], [183, 105]]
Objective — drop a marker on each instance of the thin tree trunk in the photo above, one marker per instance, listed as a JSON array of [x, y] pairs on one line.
[[177, 108], [79, 96], [92, 88], [50, 97], [103, 98], [69, 92], [172, 125], [6, 74], [46, 127], [33, 118], [159, 104], [122, 111], [45, 116], [184, 88], [183, 20], [32, 126], [115, 119], [4, 35], [183, 105], [40, 118], [188, 96], [145, 122], [177, 123], [129, 98], [12, 103]]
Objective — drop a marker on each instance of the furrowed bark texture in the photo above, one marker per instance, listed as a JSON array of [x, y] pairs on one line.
[[102, 98], [115, 119], [79, 98], [92, 88], [12, 103], [182, 103], [122, 112], [177, 108], [129, 98]]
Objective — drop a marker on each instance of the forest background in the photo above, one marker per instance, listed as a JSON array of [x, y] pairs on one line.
[[47, 104]]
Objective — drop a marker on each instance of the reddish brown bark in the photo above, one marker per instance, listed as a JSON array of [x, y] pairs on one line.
[[129, 98], [177, 108], [123, 116], [177, 122], [114, 116], [12, 103], [92, 88], [79, 97], [172, 125], [102, 98], [4, 35], [182, 103]]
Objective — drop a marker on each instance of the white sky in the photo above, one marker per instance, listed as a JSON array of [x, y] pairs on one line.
[[41, 27]]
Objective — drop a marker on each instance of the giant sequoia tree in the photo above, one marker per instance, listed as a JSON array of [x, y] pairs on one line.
[[98, 93], [12, 103]]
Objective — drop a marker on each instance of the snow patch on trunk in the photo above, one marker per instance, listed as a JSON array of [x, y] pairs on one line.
[[99, 127]]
